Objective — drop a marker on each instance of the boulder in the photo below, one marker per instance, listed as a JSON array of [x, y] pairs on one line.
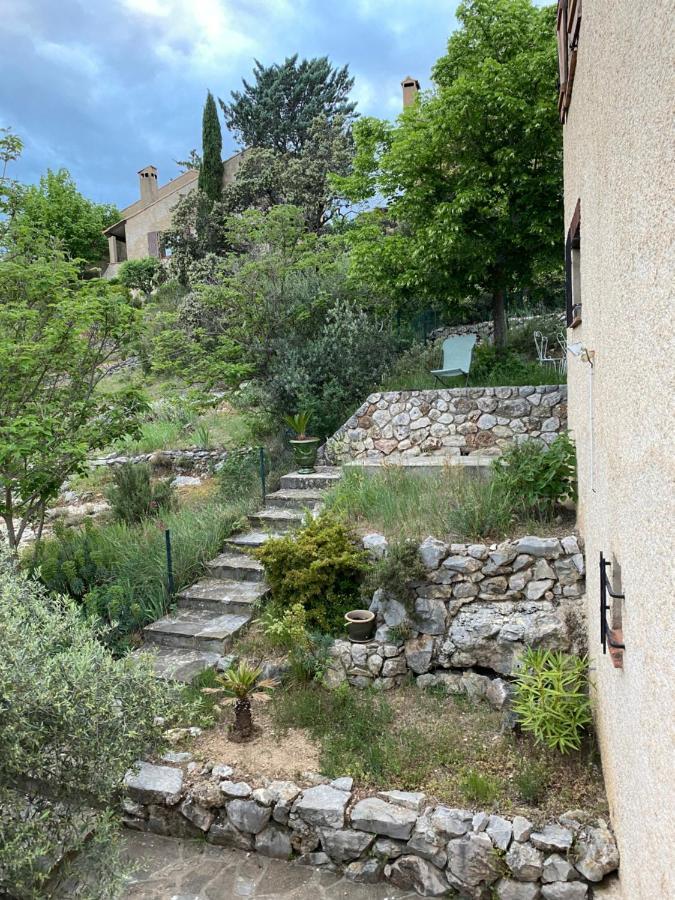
[[375, 544], [235, 790], [525, 861], [429, 616], [147, 783], [596, 852], [342, 784], [385, 848], [199, 815], [565, 890], [500, 831], [224, 834], [365, 871], [344, 844], [432, 552], [410, 799], [549, 548], [283, 794], [522, 829], [552, 838], [557, 868], [275, 842], [427, 842], [380, 817], [322, 806], [516, 890], [451, 823], [411, 872], [208, 794], [472, 861], [418, 653], [497, 693], [247, 816], [464, 564]]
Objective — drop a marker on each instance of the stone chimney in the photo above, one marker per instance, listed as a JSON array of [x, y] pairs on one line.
[[147, 178], [410, 87]]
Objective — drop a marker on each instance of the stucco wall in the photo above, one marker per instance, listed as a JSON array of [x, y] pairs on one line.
[[619, 160]]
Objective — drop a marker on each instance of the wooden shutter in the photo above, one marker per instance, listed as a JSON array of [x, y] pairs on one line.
[[561, 30], [572, 242], [153, 244]]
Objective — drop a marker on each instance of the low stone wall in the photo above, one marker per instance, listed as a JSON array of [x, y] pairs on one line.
[[394, 835], [469, 621], [466, 421], [194, 460], [484, 331]]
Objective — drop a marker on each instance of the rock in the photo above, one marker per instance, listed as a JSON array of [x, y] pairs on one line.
[[147, 783], [427, 842], [186, 481], [380, 817], [464, 590], [486, 422], [410, 799], [365, 871], [322, 806], [222, 771], [411, 872], [570, 545], [385, 848], [200, 816], [283, 794], [432, 552], [235, 790], [499, 830], [522, 829], [516, 890], [224, 834], [418, 653], [464, 564], [429, 616], [543, 570], [557, 868], [535, 590], [552, 837], [313, 859], [343, 784], [208, 794], [274, 842], [263, 797], [565, 890], [451, 823], [480, 822], [472, 861], [394, 612], [497, 693], [375, 544], [394, 666], [344, 844], [172, 757], [596, 852], [374, 664], [474, 685], [534, 546], [525, 861], [247, 816]]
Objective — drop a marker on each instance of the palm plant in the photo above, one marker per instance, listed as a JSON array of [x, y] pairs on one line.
[[298, 423], [241, 684]]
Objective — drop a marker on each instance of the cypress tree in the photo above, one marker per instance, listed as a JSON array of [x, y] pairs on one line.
[[211, 168]]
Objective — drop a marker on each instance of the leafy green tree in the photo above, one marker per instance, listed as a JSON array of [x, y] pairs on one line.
[[472, 173], [277, 110], [211, 168], [56, 211], [73, 720], [56, 334], [141, 274], [11, 147]]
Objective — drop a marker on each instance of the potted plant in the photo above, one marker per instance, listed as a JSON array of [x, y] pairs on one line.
[[360, 625], [304, 447], [240, 685]]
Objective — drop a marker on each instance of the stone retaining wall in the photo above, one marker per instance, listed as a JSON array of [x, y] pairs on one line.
[[468, 622], [194, 460], [394, 835], [446, 422], [485, 330]]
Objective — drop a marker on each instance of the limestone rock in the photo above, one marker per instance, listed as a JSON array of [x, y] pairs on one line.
[[147, 783], [411, 872], [394, 666], [283, 794], [235, 790], [540, 547], [247, 816], [342, 784], [207, 794], [464, 564], [410, 799], [557, 868], [480, 822], [596, 852], [500, 830], [393, 612], [344, 844], [274, 842], [199, 815], [472, 861], [323, 806], [429, 616], [497, 693], [522, 829], [552, 837], [432, 552], [418, 653], [525, 861], [224, 834], [386, 848], [516, 890], [365, 871], [565, 890], [380, 817], [222, 771], [427, 842], [376, 545], [451, 823]]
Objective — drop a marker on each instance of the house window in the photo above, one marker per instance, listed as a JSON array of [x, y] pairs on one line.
[[573, 269], [568, 28]]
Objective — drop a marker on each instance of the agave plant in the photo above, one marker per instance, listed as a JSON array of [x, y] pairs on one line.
[[298, 423], [240, 685]]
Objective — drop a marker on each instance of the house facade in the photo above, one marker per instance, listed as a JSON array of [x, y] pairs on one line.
[[616, 105], [138, 233]]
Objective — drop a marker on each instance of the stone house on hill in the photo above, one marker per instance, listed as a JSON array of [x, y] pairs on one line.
[[138, 232], [616, 102]]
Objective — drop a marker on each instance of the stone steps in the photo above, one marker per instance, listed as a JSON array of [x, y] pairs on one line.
[[236, 567], [250, 540], [323, 478], [277, 519], [196, 629], [180, 664], [298, 498], [223, 596]]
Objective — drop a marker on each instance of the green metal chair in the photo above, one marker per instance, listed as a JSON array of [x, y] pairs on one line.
[[457, 351]]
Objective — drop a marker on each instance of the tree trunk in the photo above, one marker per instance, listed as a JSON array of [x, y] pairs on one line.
[[243, 721], [499, 316]]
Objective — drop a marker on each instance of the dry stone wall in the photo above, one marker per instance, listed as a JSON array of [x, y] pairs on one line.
[[468, 622], [194, 460], [446, 422], [397, 836]]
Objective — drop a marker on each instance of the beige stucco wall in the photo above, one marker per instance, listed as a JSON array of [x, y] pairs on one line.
[[620, 161]]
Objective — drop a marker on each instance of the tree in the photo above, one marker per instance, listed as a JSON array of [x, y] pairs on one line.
[[472, 173], [11, 147], [240, 686], [211, 168], [278, 109], [55, 211], [73, 720], [56, 334], [141, 274]]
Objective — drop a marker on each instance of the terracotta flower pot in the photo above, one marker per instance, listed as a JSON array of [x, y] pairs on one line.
[[360, 625], [304, 454]]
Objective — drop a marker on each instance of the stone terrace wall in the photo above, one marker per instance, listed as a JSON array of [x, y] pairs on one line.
[[395, 835], [472, 617], [466, 421], [194, 460], [485, 330]]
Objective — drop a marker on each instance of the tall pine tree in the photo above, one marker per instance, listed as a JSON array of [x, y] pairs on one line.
[[211, 168]]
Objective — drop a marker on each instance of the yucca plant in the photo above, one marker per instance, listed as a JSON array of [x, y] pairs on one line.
[[551, 698], [240, 685], [298, 423]]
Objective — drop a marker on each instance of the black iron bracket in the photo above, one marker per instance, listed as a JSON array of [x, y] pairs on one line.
[[605, 590]]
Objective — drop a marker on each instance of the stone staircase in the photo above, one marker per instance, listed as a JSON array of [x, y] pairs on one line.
[[213, 611]]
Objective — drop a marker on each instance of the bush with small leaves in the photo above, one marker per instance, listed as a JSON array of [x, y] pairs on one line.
[[536, 477], [134, 497]]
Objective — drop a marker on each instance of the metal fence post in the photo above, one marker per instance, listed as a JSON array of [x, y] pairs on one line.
[[261, 451], [169, 561]]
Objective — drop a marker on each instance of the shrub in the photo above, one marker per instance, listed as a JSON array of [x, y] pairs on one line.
[[141, 274], [308, 659], [72, 721], [537, 477], [397, 572], [551, 698], [134, 497], [239, 475], [479, 788], [320, 568], [287, 628], [532, 781]]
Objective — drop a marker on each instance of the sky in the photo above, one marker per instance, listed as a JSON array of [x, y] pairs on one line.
[[105, 87]]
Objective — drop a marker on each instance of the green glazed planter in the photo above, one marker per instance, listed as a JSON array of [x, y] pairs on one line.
[[304, 454]]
